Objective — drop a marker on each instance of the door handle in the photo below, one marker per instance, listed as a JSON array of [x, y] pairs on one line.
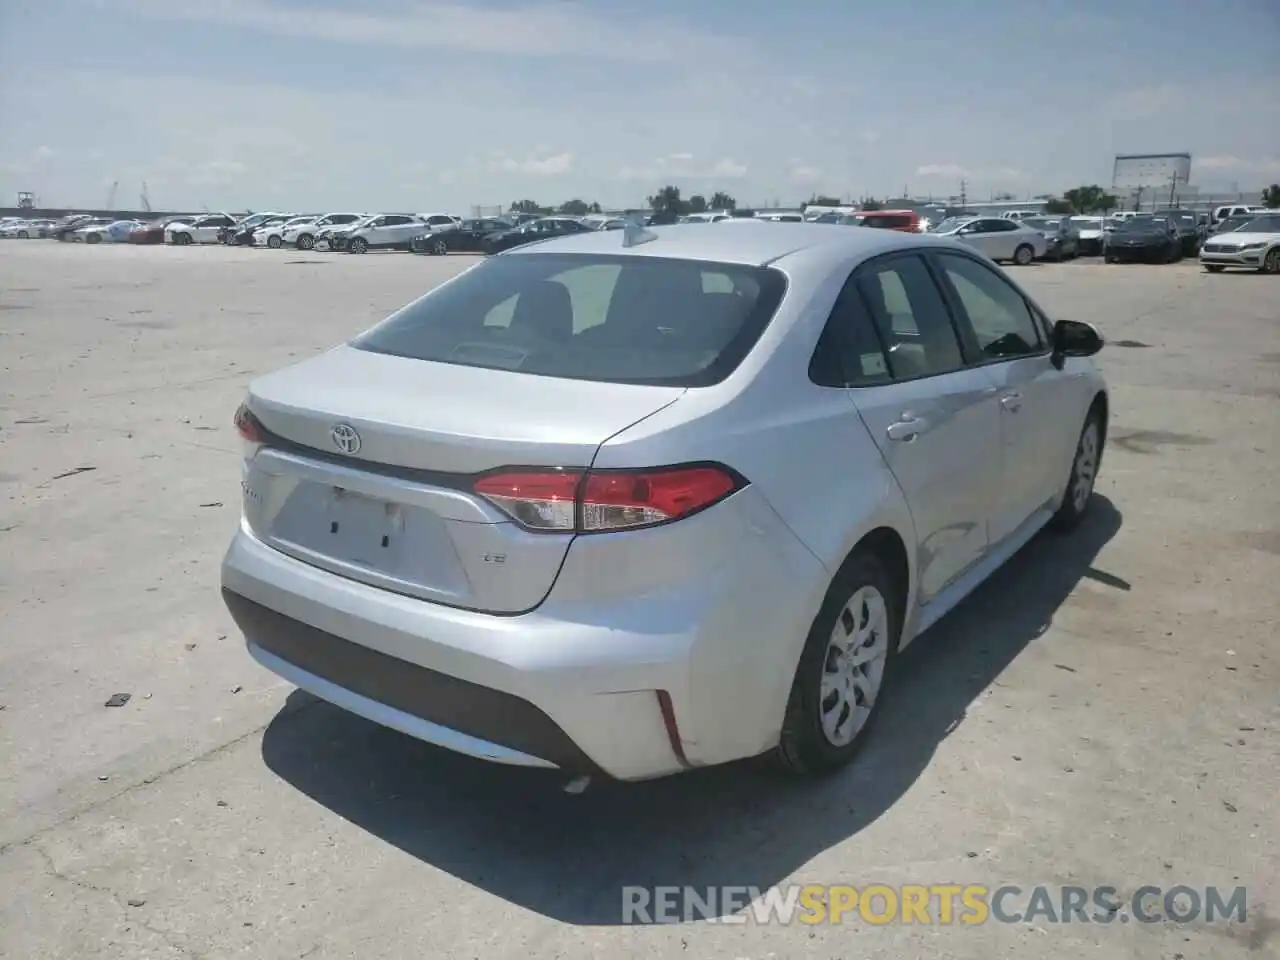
[[1012, 402], [907, 428]]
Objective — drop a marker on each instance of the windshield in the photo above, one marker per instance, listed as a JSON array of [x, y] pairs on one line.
[[1267, 223], [298, 221], [608, 318], [1087, 223], [1040, 223], [950, 224], [1142, 225]]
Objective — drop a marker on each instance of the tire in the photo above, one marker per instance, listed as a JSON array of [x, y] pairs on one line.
[[1214, 267], [92, 238], [1024, 255], [1108, 259], [22, 234], [358, 245], [806, 746], [182, 239], [1271, 262], [1084, 474], [275, 242], [439, 248], [305, 241]]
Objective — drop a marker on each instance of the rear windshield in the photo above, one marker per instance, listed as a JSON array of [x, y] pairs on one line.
[[616, 319]]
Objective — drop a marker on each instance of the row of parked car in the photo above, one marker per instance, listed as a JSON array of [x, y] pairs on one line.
[[1018, 237]]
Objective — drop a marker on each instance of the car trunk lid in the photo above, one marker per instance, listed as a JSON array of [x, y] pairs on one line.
[[368, 465]]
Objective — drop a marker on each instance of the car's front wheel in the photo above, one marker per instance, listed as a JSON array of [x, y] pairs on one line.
[[1271, 262], [439, 248], [358, 245], [305, 241], [1024, 255], [836, 693], [275, 242], [1084, 473]]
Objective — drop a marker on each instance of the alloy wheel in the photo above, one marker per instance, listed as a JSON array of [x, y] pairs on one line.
[[1086, 468], [1271, 263], [853, 671]]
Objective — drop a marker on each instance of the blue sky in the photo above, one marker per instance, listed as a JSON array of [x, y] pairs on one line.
[[424, 105]]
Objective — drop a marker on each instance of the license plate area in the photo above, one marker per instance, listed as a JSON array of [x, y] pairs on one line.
[[364, 530]]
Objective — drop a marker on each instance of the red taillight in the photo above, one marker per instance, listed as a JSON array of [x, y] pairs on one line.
[[247, 425], [568, 501]]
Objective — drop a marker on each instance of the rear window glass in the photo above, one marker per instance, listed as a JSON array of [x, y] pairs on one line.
[[619, 319]]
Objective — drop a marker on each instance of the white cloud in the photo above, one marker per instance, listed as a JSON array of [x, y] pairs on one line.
[[951, 171], [728, 167], [1146, 101], [1269, 165], [680, 156], [552, 166], [530, 29]]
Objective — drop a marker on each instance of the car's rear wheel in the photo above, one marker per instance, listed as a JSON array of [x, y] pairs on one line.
[[358, 245], [1024, 255], [836, 693], [1271, 262], [305, 241], [1084, 473], [92, 238], [24, 235], [1214, 267]]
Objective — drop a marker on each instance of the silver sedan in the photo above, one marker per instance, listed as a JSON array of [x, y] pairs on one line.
[[630, 502]]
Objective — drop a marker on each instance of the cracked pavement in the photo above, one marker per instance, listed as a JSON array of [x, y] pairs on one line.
[[1105, 711]]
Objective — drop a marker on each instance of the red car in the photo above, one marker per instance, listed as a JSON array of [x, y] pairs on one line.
[[152, 232]]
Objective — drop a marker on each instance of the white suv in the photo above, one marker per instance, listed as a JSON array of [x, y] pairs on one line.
[[198, 230], [386, 231], [304, 236]]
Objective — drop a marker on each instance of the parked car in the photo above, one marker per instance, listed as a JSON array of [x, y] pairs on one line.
[[999, 238], [466, 238], [251, 222], [1143, 239], [306, 236], [1091, 231], [544, 229], [1232, 210], [242, 234], [112, 231], [908, 221], [64, 228], [272, 234], [83, 229], [385, 231], [153, 232], [794, 217], [1021, 214], [1253, 246], [592, 506], [1059, 233], [199, 230], [26, 229], [440, 221], [1191, 234]]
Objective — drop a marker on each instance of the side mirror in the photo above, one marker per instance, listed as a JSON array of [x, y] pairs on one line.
[[1071, 338]]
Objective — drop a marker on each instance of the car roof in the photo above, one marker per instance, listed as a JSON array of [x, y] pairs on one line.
[[754, 247]]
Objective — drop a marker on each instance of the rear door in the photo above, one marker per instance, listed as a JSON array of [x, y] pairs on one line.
[[936, 422]]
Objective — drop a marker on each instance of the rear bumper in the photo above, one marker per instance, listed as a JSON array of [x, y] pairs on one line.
[[607, 675]]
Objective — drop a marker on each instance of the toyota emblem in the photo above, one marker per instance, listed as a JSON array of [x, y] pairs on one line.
[[345, 438]]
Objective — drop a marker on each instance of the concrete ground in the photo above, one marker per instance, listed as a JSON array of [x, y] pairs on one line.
[[1105, 712]]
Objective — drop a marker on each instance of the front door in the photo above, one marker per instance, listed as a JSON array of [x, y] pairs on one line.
[[1012, 348], [936, 421]]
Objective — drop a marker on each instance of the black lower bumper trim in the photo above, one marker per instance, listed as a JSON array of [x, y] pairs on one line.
[[460, 705]]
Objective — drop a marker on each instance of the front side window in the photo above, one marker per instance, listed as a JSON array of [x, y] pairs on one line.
[[997, 312], [910, 316], [608, 318]]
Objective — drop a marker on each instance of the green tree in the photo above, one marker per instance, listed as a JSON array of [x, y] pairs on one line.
[[1055, 205], [595, 207], [722, 201], [870, 203], [524, 206], [667, 201], [697, 203], [575, 208], [1003, 197], [1089, 199], [1271, 197]]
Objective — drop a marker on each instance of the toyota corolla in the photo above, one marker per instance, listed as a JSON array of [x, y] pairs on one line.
[[629, 502]]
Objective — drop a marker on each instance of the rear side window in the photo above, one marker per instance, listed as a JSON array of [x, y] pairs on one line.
[[911, 317], [617, 319]]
